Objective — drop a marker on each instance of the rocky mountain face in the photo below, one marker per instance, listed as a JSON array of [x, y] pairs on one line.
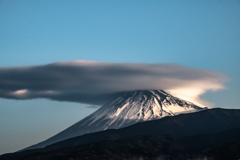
[[209, 121], [212, 134], [127, 109]]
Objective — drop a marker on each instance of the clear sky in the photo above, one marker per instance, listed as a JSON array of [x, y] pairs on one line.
[[200, 34]]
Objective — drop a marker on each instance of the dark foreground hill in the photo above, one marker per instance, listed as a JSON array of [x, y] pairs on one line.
[[219, 146], [203, 122], [124, 110], [213, 134]]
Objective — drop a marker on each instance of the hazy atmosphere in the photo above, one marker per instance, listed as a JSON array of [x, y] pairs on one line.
[[61, 60]]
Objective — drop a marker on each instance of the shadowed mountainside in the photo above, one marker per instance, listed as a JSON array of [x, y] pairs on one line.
[[203, 122], [213, 134], [126, 109], [218, 146]]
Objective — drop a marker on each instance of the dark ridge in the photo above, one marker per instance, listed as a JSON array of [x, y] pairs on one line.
[[219, 146], [203, 122], [99, 120]]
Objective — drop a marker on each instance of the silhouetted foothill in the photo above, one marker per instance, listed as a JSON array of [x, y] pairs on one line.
[[124, 110]]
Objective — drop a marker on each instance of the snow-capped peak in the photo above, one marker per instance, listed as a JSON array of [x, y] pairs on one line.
[[127, 109]]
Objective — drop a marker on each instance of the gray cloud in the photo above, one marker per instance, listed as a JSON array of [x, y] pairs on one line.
[[96, 82], [92, 106]]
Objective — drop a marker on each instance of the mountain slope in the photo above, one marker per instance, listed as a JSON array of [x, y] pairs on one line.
[[215, 146], [203, 122], [125, 110]]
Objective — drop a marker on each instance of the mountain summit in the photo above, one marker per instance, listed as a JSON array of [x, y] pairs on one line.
[[127, 109]]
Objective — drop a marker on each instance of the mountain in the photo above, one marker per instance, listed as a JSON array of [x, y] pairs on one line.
[[212, 134], [204, 122], [127, 109]]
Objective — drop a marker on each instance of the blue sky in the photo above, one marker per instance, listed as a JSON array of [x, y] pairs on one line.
[[199, 34]]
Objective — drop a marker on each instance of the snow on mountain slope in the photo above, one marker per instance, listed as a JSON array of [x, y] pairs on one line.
[[127, 109]]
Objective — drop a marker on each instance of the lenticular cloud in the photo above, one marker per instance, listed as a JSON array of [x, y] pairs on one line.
[[97, 82]]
